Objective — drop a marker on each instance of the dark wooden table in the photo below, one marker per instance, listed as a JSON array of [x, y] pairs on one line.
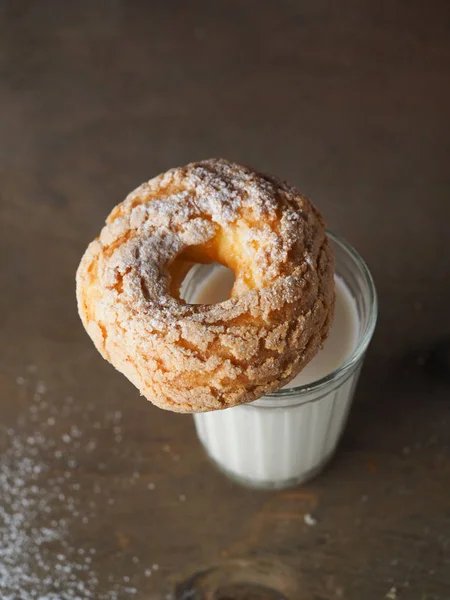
[[105, 496]]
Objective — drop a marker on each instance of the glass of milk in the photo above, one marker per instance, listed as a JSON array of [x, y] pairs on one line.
[[287, 437]]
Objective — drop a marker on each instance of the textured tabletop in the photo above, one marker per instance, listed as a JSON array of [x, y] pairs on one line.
[[103, 496]]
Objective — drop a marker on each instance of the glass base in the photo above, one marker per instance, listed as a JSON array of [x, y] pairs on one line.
[[272, 484]]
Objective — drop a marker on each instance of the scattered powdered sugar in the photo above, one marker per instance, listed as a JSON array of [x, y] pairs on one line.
[[40, 502], [309, 520], [41, 388]]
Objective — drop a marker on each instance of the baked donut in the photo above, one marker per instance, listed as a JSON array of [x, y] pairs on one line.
[[192, 358]]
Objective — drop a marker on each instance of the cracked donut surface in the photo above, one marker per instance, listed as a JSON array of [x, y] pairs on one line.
[[191, 358]]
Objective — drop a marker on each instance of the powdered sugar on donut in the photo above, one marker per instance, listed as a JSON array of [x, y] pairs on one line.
[[201, 357]]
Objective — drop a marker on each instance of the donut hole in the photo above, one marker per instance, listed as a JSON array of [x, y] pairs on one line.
[[207, 284]]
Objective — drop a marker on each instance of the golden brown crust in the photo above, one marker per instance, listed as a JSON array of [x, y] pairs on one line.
[[190, 358]]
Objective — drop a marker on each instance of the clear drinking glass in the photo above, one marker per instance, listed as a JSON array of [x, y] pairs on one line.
[[287, 437]]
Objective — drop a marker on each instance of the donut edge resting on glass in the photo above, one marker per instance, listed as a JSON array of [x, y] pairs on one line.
[[192, 358]]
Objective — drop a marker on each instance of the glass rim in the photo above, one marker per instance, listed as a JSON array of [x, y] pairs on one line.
[[364, 338]]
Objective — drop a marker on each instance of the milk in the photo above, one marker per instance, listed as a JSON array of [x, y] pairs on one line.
[[286, 437]]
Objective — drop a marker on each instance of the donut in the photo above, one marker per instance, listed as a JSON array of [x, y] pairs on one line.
[[192, 358]]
